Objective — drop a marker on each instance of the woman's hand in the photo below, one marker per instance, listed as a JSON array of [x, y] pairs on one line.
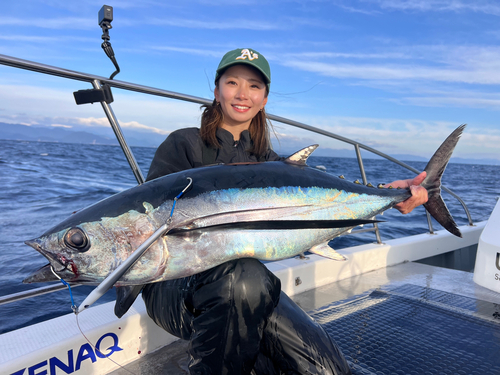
[[418, 193]]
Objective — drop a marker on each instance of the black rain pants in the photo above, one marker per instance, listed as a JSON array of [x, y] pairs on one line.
[[238, 321]]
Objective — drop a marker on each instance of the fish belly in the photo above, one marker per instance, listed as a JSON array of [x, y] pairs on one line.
[[189, 255]]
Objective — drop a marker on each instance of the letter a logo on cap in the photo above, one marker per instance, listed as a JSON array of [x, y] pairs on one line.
[[246, 53]]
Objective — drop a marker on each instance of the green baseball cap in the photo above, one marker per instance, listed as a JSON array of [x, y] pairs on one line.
[[245, 56]]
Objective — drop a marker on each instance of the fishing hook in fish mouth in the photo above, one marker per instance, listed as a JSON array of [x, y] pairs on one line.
[[54, 272], [63, 262]]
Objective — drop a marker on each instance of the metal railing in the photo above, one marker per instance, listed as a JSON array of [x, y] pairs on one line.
[[98, 81]]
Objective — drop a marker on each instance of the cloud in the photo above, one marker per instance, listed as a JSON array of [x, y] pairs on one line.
[[479, 6], [353, 9], [355, 55], [396, 72], [38, 105], [488, 7], [450, 101], [44, 39], [421, 75], [242, 24], [103, 122], [190, 51], [449, 64], [68, 23], [394, 136]]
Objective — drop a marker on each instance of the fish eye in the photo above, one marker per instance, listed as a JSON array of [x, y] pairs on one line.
[[76, 239]]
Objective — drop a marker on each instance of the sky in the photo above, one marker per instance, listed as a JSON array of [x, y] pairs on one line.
[[398, 76]]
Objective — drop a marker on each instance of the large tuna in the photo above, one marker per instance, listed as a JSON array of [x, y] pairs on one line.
[[269, 211]]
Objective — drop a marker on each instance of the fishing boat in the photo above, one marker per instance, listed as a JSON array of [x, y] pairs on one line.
[[407, 305]]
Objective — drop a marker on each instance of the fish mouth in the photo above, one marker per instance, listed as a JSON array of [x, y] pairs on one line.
[[43, 275], [58, 264]]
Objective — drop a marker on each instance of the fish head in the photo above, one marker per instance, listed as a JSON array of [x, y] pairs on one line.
[[71, 254], [88, 252]]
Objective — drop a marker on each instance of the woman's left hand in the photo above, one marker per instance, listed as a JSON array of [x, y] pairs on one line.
[[418, 193]]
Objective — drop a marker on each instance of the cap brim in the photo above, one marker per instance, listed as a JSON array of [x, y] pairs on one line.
[[242, 62]]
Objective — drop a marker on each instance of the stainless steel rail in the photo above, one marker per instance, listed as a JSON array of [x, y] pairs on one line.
[[97, 81], [119, 136], [33, 293]]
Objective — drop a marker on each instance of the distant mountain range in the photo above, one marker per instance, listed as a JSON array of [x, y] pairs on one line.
[[56, 134]]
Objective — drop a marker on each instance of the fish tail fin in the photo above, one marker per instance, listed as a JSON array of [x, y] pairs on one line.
[[435, 169]]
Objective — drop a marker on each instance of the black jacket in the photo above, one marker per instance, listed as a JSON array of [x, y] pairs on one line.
[[184, 149]]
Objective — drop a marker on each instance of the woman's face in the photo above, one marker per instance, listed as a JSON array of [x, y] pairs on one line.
[[241, 93]]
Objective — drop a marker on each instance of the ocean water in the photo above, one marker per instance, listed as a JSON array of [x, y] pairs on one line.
[[43, 183]]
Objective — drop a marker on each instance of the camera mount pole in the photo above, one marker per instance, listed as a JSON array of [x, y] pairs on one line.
[[106, 46], [102, 93]]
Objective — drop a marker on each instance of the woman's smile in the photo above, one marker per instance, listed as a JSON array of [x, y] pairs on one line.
[[241, 108]]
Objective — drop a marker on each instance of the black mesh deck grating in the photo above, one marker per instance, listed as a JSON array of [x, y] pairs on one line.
[[415, 330]]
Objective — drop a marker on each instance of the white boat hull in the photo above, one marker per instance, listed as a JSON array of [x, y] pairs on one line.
[[487, 268]]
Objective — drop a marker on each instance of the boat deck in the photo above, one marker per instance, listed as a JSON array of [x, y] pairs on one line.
[[406, 319]]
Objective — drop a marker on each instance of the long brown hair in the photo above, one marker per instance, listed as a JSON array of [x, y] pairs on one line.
[[212, 118]]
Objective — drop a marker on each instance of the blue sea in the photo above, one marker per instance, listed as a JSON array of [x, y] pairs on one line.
[[43, 183]]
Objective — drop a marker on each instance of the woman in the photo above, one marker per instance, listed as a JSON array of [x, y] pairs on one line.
[[233, 129], [235, 316]]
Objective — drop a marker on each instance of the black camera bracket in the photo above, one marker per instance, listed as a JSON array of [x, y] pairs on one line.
[[94, 95], [104, 93]]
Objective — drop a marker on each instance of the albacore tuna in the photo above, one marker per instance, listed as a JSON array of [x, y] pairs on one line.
[[269, 211]]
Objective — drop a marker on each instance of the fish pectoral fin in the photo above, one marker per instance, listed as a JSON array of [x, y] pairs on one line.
[[275, 225], [125, 297], [326, 251]]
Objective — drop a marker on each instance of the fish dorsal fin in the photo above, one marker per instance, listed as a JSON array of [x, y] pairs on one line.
[[300, 157]]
